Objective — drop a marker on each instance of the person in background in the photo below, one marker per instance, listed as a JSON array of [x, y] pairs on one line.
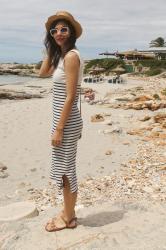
[[89, 95]]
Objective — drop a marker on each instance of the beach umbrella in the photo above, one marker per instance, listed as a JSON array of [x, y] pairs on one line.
[[96, 70], [118, 69]]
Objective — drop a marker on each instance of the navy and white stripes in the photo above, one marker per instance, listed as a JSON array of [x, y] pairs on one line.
[[64, 156]]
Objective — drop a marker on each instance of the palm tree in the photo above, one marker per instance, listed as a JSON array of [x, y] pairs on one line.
[[158, 42]]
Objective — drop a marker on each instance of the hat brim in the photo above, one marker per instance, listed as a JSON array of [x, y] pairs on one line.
[[75, 24]]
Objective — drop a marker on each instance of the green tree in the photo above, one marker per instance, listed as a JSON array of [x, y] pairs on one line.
[[158, 42]]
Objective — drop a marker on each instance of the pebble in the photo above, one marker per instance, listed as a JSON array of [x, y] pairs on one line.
[[126, 143], [146, 118], [3, 168], [33, 169], [108, 152], [113, 130], [148, 189], [157, 129], [21, 185], [107, 122], [3, 175]]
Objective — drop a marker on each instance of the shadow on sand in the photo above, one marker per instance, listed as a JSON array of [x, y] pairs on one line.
[[101, 219]]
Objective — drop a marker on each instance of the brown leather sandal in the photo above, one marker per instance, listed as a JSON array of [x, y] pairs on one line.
[[55, 228], [54, 218]]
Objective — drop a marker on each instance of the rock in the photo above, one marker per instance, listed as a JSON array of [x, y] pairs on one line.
[[108, 152], [18, 192], [17, 211], [163, 190], [107, 114], [12, 94], [143, 98], [156, 187], [137, 106], [147, 189], [21, 185], [33, 169], [146, 118], [162, 136], [43, 208], [157, 129], [151, 105], [161, 143], [156, 106], [134, 132], [164, 124], [113, 130], [30, 189], [97, 118], [126, 143], [19, 69], [107, 122], [159, 118], [144, 126], [162, 168], [131, 183], [3, 175], [124, 99], [2, 167], [139, 167]]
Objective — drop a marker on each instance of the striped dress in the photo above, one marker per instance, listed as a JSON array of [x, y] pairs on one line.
[[64, 155]]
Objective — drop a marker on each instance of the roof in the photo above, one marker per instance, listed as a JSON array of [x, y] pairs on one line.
[[155, 49], [138, 52]]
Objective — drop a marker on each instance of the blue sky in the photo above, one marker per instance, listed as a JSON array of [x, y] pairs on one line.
[[107, 25]]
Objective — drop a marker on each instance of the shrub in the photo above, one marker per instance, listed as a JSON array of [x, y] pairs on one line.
[[107, 63], [153, 64], [153, 72], [156, 96], [163, 92]]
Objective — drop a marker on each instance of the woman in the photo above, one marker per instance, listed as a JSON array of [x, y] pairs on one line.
[[64, 62]]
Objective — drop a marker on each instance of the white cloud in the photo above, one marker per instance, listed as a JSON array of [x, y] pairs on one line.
[[107, 24]]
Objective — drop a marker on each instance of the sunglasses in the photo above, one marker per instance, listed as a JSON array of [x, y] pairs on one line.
[[63, 31]]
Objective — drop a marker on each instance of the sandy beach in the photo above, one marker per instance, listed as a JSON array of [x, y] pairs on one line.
[[121, 163], [25, 139]]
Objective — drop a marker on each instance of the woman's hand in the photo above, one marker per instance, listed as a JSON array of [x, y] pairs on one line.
[[57, 138], [47, 68]]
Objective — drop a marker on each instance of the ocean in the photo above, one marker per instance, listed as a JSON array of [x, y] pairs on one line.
[[14, 79]]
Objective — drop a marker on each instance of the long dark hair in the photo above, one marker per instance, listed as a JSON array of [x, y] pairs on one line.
[[53, 49]]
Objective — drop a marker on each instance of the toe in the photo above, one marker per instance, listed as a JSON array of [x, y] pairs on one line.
[[73, 223], [50, 226]]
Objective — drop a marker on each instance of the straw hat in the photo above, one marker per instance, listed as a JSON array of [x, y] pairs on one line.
[[65, 15]]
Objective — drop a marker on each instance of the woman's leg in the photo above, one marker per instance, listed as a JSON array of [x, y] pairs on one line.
[[69, 200], [68, 211]]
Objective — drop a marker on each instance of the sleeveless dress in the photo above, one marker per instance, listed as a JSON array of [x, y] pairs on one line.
[[64, 155]]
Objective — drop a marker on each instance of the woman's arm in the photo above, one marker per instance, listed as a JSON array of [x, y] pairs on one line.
[[46, 68], [71, 66]]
